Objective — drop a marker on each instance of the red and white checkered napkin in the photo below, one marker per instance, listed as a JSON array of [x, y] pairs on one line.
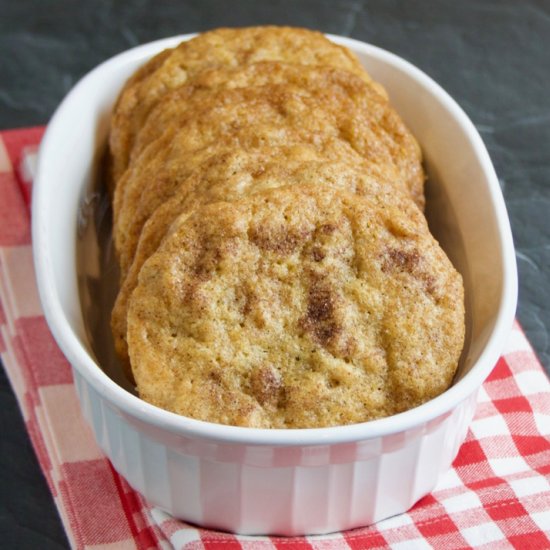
[[497, 494]]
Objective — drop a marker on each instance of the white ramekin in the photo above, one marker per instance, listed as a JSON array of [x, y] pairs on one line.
[[284, 481]]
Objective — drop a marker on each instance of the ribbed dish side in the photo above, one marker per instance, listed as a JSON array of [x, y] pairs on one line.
[[295, 490]]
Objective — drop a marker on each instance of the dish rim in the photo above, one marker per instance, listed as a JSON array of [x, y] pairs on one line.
[[133, 406]]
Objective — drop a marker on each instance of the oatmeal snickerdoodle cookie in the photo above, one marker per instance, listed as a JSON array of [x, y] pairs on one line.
[[295, 307]]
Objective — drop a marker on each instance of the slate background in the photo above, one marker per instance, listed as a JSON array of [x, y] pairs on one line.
[[492, 56]]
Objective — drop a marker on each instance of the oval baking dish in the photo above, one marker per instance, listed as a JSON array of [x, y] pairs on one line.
[[286, 482]]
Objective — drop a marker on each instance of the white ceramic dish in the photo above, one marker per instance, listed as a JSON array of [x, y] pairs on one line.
[[284, 481]]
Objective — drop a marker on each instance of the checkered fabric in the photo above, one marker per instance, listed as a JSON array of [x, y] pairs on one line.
[[497, 495]]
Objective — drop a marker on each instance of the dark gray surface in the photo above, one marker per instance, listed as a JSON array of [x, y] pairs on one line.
[[492, 56]]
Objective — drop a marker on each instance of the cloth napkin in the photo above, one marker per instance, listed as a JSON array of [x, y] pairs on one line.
[[497, 494]]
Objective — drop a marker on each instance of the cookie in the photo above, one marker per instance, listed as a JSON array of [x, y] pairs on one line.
[[363, 115], [236, 173], [216, 48], [295, 307]]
